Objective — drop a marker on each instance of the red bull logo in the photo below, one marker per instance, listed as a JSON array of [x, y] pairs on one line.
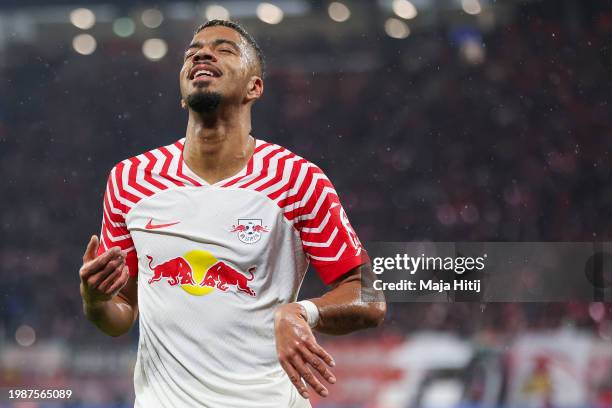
[[199, 273], [176, 271], [249, 230], [220, 275]]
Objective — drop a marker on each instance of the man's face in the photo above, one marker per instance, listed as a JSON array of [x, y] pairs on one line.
[[217, 61]]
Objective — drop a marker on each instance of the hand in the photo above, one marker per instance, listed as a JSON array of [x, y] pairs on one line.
[[102, 277], [298, 350]]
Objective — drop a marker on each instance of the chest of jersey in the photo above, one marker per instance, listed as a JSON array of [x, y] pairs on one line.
[[207, 238]]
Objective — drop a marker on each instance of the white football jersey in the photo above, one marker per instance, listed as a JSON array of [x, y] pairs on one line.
[[213, 263]]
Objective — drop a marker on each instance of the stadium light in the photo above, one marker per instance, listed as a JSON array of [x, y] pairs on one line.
[[471, 6], [338, 12], [25, 335], [396, 28], [84, 44], [82, 18], [404, 9], [154, 49], [269, 13], [124, 27], [217, 12], [473, 52], [152, 18]]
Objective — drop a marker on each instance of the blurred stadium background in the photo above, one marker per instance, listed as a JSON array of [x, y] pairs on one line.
[[437, 120]]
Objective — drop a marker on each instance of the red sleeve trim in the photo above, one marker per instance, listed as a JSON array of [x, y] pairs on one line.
[[131, 261], [330, 272]]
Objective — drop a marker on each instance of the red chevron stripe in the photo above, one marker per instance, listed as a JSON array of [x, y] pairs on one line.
[[132, 177], [317, 236], [328, 201], [166, 166], [312, 201], [265, 166], [332, 250], [149, 171], [115, 231], [297, 166], [299, 195], [124, 243], [127, 195], [110, 201], [280, 168]]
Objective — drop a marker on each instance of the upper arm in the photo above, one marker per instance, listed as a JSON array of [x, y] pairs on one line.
[[328, 239], [115, 233], [114, 230]]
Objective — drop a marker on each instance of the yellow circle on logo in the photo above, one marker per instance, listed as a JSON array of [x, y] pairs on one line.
[[200, 261]]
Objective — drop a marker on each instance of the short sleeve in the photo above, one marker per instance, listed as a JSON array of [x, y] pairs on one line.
[[328, 239], [114, 229]]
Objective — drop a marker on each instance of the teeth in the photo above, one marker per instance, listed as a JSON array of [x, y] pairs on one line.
[[203, 72]]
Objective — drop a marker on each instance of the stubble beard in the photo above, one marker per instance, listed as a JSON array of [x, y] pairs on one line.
[[204, 101]]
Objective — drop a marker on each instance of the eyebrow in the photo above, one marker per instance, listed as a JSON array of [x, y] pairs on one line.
[[216, 43]]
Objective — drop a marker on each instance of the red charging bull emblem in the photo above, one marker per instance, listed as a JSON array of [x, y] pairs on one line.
[[199, 273], [249, 230], [176, 270], [220, 275]]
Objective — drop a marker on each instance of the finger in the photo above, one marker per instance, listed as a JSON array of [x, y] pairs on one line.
[[111, 278], [316, 363], [295, 378], [308, 376], [99, 263], [95, 280], [107, 256], [92, 249], [119, 283], [320, 351]]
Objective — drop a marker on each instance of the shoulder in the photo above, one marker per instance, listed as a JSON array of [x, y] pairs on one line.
[[146, 174], [278, 158], [158, 157], [286, 177]]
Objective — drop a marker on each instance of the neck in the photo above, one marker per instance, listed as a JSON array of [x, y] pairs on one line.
[[218, 145]]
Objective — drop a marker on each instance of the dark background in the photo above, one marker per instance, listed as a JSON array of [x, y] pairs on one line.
[[493, 127]]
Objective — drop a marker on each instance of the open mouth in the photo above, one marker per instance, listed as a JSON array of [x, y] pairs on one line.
[[204, 72]]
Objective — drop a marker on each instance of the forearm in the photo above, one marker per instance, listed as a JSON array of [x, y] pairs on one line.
[[113, 317], [341, 310]]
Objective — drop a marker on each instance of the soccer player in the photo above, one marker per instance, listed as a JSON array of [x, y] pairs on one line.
[[208, 239]]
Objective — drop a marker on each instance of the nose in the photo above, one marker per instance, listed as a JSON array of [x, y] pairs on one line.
[[204, 54]]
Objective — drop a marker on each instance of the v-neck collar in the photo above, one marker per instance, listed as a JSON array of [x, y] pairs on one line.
[[192, 174]]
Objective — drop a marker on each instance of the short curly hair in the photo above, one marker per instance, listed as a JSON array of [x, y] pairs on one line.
[[249, 39]]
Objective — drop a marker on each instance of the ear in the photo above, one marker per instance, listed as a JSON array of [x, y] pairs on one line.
[[255, 88], [183, 104]]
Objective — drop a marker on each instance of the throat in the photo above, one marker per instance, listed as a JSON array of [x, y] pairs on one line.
[[224, 162]]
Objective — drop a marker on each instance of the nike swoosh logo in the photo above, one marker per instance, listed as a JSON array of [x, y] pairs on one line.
[[151, 226]]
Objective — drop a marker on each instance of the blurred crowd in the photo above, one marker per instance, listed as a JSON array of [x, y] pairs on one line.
[[421, 143]]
